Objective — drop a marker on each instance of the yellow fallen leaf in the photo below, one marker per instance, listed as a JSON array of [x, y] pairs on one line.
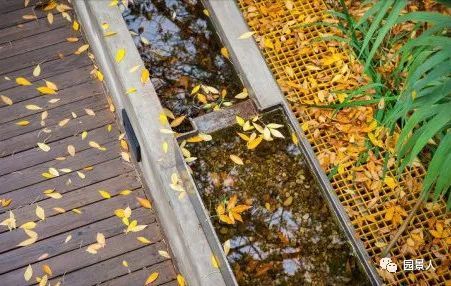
[[94, 144], [68, 238], [145, 203], [40, 213], [32, 107], [246, 35], [54, 195], [29, 17], [145, 75], [105, 194], [44, 147], [125, 263], [242, 95], [143, 240], [181, 280], [254, 143], [71, 150], [77, 211], [28, 273], [47, 270], [131, 90], [59, 210], [75, 25], [390, 181], [37, 70], [152, 277], [63, 122], [109, 34], [6, 100], [50, 18], [51, 85], [225, 53], [236, 159], [120, 54], [134, 69], [45, 90], [125, 192], [28, 225], [22, 81], [90, 112], [23, 123], [84, 134], [72, 39], [28, 241], [177, 121], [214, 262], [164, 254], [81, 175], [82, 49]]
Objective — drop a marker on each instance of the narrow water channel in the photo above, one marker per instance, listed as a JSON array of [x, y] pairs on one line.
[[283, 232]]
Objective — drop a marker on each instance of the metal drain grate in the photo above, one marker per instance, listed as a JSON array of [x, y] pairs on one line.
[[289, 60]]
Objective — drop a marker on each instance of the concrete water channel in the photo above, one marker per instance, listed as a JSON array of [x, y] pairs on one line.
[[295, 232]]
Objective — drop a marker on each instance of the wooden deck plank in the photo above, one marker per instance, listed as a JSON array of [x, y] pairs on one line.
[[17, 180], [35, 42], [35, 57], [62, 80], [11, 130], [25, 43], [81, 237], [165, 275], [49, 69], [113, 267], [70, 261], [68, 95], [69, 220], [33, 193], [39, 26], [35, 156]]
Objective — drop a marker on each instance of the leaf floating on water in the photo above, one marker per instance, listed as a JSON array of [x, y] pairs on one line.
[[152, 277], [246, 35], [120, 54], [28, 273], [6, 100], [225, 53], [44, 147], [145, 76], [22, 81], [32, 107], [176, 122], [37, 71], [40, 213], [237, 160]]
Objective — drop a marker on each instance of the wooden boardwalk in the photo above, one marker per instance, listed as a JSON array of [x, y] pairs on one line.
[[63, 183]]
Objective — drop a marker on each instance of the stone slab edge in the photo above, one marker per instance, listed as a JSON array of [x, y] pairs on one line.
[[248, 59], [191, 245]]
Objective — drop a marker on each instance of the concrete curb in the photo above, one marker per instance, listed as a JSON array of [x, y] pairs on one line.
[[192, 247]]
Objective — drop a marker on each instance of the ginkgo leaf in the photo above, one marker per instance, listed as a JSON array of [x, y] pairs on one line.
[[236, 159], [143, 240], [181, 280], [82, 49], [23, 123], [40, 213], [32, 107], [44, 147], [22, 81], [152, 277], [47, 270], [105, 194], [145, 75], [145, 203], [120, 54], [37, 71], [6, 100], [28, 273], [246, 35], [71, 150]]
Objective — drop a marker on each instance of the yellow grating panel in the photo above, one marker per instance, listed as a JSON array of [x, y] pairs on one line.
[[290, 55]]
